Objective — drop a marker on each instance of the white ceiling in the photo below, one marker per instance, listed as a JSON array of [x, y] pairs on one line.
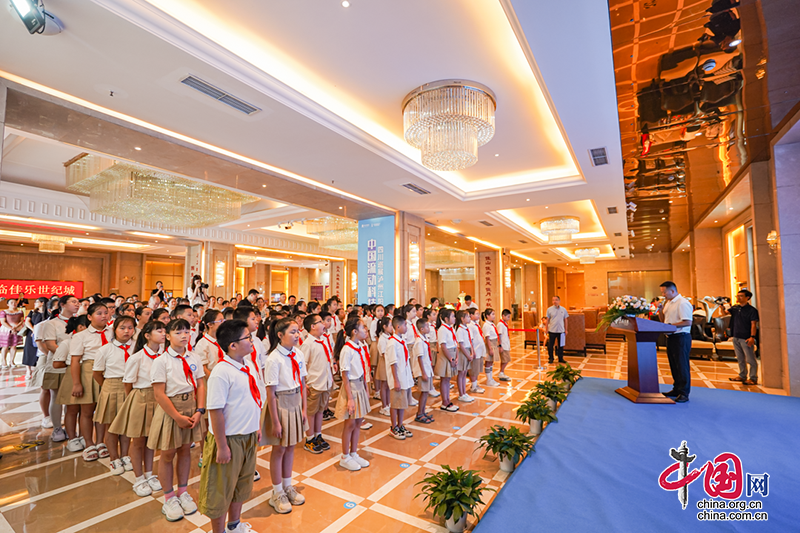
[[330, 82]]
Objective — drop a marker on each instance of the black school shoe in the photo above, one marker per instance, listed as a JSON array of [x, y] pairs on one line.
[[322, 443], [327, 414], [312, 446]]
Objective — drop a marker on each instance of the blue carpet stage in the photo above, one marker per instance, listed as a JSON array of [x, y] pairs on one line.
[[598, 468]]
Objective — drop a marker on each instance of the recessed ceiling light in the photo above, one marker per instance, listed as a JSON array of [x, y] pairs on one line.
[[730, 209], [340, 207], [659, 229], [497, 155], [265, 185], [735, 42], [88, 234], [716, 221], [670, 201], [137, 148], [527, 199], [345, 3], [663, 218]]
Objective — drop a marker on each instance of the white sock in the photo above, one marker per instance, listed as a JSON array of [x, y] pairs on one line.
[[287, 482], [317, 435], [474, 384], [148, 475], [277, 489], [140, 479], [353, 455]]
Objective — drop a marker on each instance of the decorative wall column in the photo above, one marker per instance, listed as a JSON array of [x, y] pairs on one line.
[[3, 92], [338, 280], [488, 280], [708, 261], [410, 246]]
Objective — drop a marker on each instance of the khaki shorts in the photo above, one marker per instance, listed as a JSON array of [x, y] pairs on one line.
[[317, 401], [221, 485], [398, 399], [476, 367], [505, 356]]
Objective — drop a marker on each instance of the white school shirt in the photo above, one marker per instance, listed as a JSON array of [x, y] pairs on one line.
[[373, 330], [327, 337], [490, 331], [88, 342], [396, 355], [62, 354], [194, 335], [303, 337], [432, 335], [505, 339], [320, 376], [350, 361], [677, 310], [383, 341], [207, 351], [229, 390], [462, 334], [54, 329], [278, 370], [478, 346], [261, 352], [168, 369], [337, 324], [422, 350], [447, 337], [138, 367], [110, 359]]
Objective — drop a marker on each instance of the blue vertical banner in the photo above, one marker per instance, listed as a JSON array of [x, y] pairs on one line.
[[376, 260]]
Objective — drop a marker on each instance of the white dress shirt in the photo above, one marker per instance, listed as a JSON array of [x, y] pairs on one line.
[[229, 390], [168, 369], [110, 359], [447, 337], [350, 361], [318, 358], [278, 370], [138, 367], [396, 355], [478, 346], [677, 310], [88, 342]]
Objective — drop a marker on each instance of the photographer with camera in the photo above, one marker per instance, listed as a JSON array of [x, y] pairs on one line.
[[197, 293]]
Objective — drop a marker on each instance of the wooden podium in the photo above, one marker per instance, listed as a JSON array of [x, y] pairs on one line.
[[641, 335]]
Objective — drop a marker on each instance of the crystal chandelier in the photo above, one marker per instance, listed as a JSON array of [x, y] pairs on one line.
[[442, 256], [448, 120], [51, 244], [334, 232], [559, 230], [587, 255], [128, 191]]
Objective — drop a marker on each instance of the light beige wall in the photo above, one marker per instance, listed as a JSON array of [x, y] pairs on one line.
[[709, 263], [682, 272], [596, 276], [576, 294], [127, 271]]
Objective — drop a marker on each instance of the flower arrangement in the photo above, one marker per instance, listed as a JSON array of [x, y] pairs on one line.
[[624, 306]]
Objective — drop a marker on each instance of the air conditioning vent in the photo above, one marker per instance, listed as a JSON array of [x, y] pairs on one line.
[[218, 94], [486, 223], [599, 156], [523, 242], [414, 188], [611, 210], [618, 235]]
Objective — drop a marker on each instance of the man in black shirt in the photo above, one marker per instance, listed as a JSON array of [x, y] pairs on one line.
[[744, 327]]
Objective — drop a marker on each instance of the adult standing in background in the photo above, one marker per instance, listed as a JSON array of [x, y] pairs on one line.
[[555, 321], [434, 303], [196, 291], [744, 327], [468, 303], [158, 295], [677, 311]]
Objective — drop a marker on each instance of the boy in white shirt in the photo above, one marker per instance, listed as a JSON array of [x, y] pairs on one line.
[[318, 358], [478, 349], [235, 397], [398, 373], [423, 370], [258, 351], [505, 344]]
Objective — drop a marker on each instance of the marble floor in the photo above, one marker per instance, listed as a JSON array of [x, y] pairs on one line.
[[46, 489]]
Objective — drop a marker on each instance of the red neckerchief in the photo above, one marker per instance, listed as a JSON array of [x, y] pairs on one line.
[[254, 356], [220, 353], [496, 332], [125, 348], [414, 329], [295, 368], [328, 339], [469, 335], [110, 322], [103, 338], [506, 325], [187, 371], [405, 348], [325, 347], [428, 344], [65, 320], [360, 352], [300, 338], [254, 392], [452, 332], [151, 356]]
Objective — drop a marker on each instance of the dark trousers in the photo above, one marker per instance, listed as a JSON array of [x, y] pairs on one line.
[[678, 347], [554, 339]]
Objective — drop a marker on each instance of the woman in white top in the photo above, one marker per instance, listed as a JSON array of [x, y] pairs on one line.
[[179, 385], [285, 420], [196, 291], [492, 336], [136, 415], [79, 386], [353, 403], [447, 359], [109, 368]]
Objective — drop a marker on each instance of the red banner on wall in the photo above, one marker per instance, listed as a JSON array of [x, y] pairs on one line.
[[10, 288]]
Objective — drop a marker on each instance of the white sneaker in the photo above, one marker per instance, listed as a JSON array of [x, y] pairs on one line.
[[466, 398], [154, 483], [75, 445], [434, 394], [256, 476], [414, 402], [452, 386], [363, 463], [477, 389], [490, 382], [126, 463], [83, 441], [348, 463], [142, 489], [172, 510], [294, 497], [116, 467], [58, 435], [385, 411], [503, 377], [187, 504], [243, 527], [366, 425], [47, 422], [280, 502]]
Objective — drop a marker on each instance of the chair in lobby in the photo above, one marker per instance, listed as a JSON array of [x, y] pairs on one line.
[[576, 333], [530, 321], [595, 340]]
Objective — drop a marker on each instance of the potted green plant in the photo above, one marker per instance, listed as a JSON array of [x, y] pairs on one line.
[[553, 392], [508, 444], [565, 374], [534, 411], [453, 494]]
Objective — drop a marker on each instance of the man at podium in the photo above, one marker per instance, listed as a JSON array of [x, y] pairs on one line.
[[677, 311]]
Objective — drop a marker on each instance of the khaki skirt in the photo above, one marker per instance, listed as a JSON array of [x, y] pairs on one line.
[[494, 352], [166, 434], [443, 368], [360, 398], [136, 415], [112, 396], [91, 389], [464, 364], [380, 368], [373, 354], [52, 381], [434, 353], [290, 415]]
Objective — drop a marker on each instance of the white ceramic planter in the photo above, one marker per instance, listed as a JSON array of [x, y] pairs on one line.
[[551, 404], [535, 427], [505, 464], [456, 527]]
